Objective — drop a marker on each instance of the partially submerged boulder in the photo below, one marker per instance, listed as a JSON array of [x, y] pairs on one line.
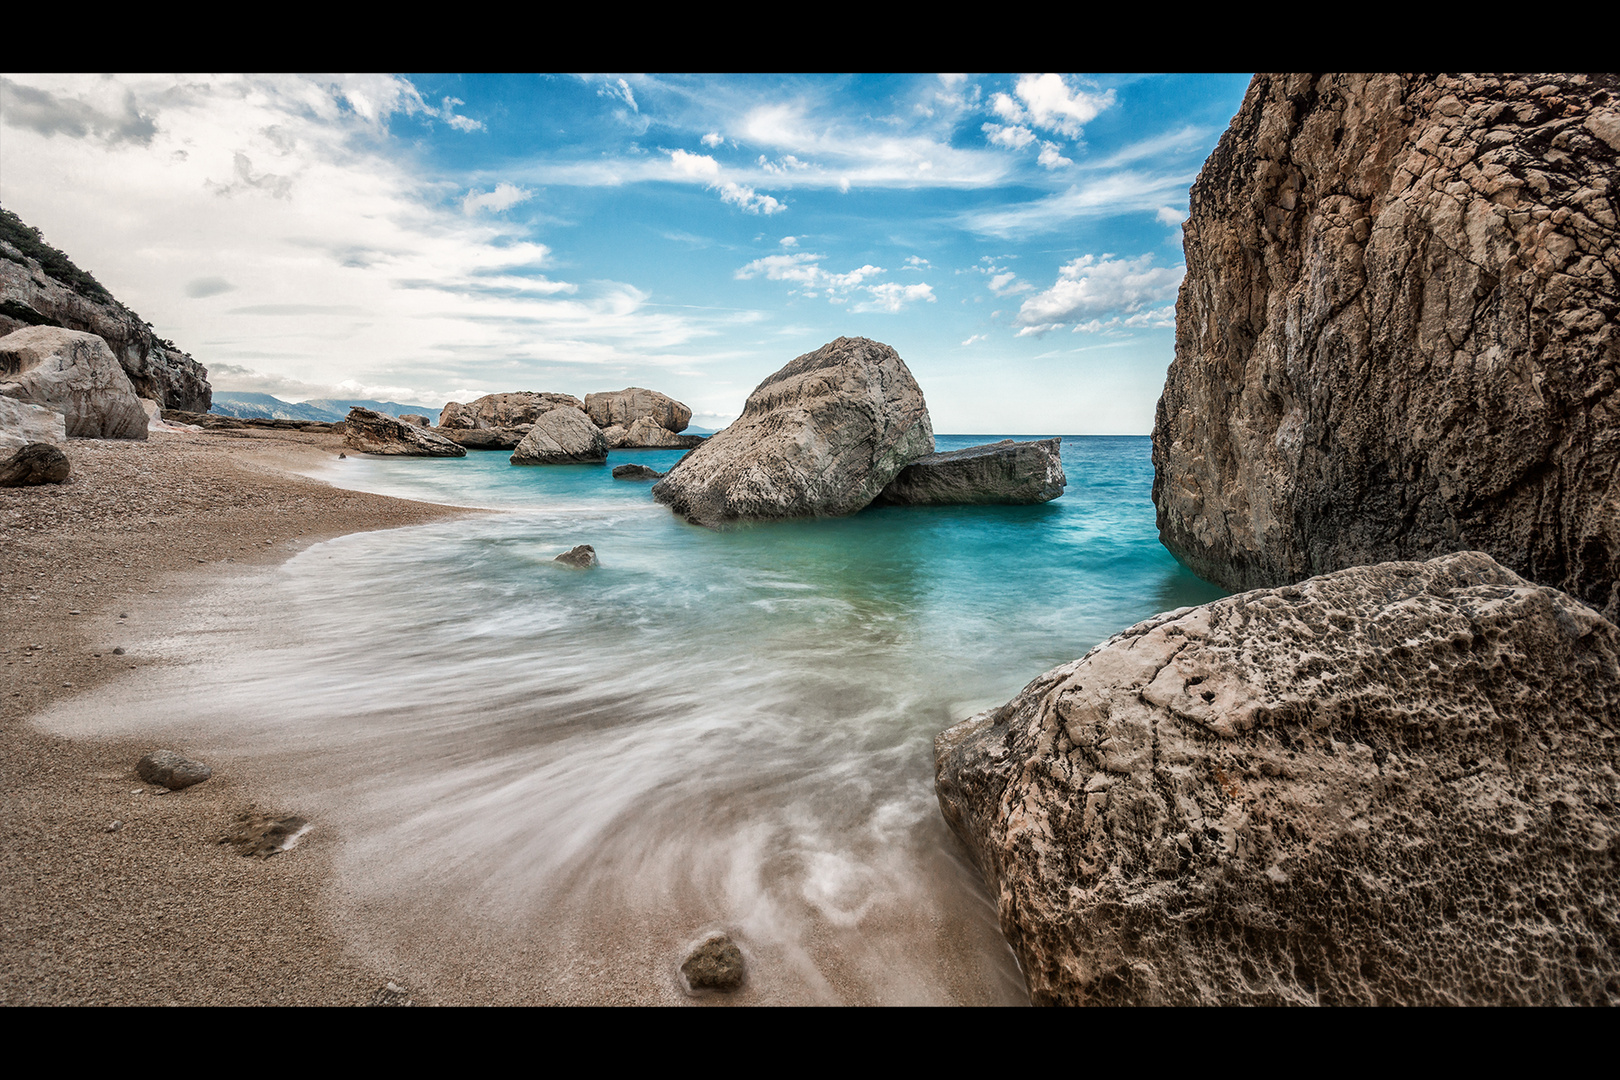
[[562, 437], [1392, 784], [635, 472], [581, 556], [75, 372], [623, 408], [22, 423], [504, 410], [36, 463], [821, 437], [373, 433], [1005, 472]]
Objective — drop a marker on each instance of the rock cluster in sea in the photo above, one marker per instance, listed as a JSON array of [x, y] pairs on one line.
[[563, 436], [1397, 332], [1394, 784]]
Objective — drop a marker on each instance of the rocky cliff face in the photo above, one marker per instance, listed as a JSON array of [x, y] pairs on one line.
[[40, 287], [1397, 335], [1392, 784]]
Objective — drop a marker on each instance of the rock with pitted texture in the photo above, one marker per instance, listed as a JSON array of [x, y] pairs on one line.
[[373, 433], [1005, 472], [75, 372], [821, 437], [504, 410], [713, 964], [171, 770], [22, 423], [623, 408], [1392, 784], [562, 437], [1397, 336], [36, 463], [40, 286]]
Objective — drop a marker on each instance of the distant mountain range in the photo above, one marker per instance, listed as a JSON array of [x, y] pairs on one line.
[[327, 410]]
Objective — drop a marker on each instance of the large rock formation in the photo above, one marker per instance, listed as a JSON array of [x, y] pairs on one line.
[[373, 433], [22, 424], [1391, 784], [822, 436], [624, 407], [1005, 472], [39, 286], [1397, 334], [504, 410], [562, 437], [75, 372]]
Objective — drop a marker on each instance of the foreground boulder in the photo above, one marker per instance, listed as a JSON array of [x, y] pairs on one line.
[[373, 433], [714, 964], [22, 423], [171, 770], [1396, 335], [74, 372], [504, 410], [1392, 784], [821, 437], [36, 463], [562, 437], [1006, 472], [623, 408]]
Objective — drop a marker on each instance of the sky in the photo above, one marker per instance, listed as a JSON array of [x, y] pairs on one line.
[[424, 238]]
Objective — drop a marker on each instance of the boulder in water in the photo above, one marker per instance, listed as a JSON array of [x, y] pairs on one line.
[[583, 557], [373, 433], [623, 408], [504, 410], [635, 472], [562, 436], [1006, 472]]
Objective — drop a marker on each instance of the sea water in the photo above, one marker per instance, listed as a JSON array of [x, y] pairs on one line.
[[574, 773]]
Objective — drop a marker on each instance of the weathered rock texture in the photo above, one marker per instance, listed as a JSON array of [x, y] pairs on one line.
[[486, 438], [504, 410], [75, 372], [172, 770], [635, 472], [1391, 784], [820, 437], [562, 437], [646, 433], [36, 463], [714, 964], [624, 407], [39, 286], [1004, 472], [22, 423], [373, 433], [1397, 334]]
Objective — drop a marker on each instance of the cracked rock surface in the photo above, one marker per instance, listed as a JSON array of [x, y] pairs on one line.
[[1397, 336], [1391, 784]]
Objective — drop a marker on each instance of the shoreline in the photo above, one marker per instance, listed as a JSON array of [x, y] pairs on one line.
[[156, 912]]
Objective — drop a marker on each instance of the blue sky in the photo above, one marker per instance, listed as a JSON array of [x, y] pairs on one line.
[[427, 237]]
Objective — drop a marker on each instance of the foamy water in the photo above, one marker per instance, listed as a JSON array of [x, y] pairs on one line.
[[554, 779]]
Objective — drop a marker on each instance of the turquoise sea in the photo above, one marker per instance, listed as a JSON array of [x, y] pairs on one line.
[[574, 773]]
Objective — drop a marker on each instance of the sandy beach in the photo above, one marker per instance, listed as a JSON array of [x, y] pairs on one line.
[[156, 911]]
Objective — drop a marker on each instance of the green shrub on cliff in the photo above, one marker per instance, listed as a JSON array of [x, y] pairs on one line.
[[27, 239]]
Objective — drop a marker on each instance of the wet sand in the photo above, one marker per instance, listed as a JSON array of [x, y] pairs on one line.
[[156, 911]]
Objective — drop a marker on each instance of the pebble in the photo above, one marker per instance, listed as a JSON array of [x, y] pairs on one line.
[[118, 651], [174, 771], [714, 964], [114, 827]]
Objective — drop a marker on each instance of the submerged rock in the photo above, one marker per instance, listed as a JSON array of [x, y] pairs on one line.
[[36, 463], [1394, 784], [716, 964], [75, 372], [258, 835], [821, 437], [582, 556], [622, 408], [373, 433], [635, 472], [1397, 332], [171, 770], [562, 437], [1006, 472]]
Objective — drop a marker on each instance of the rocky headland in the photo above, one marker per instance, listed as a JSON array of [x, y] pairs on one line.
[[1397, 333]]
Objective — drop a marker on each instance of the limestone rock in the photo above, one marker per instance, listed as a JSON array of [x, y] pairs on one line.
[[624, 407], [75, 372], [1003, 472], [1397, 332], [373, 433], [647, 434], [41, 287], [504, 410], [820, 437], [36, 463], [562, 437], [1390, 784], [635, 472], [715, 963], [171, 770], [414, 419], [583, 556], [22, 423], [505, 438]]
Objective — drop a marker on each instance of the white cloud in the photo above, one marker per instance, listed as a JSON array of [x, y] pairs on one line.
[[1105, 195], [1169, 215], [801, 269], [695, 166], [1006, 108], [1093, 286], [790, 241], [1013, 138], [1051, 157], [975, 337], [749, 200], [712, 139], [620, 90], [1053, 106], [503, 198], [916, 262], [891, 296]]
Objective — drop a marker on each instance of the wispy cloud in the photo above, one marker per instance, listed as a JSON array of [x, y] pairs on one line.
[[503, 198], [802, 270], [1096, 286]]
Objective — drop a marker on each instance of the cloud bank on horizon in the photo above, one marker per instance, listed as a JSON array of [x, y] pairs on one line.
[[425, 238]]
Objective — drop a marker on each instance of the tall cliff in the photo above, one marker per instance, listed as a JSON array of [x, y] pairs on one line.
[[1397, 334], [39, 286]]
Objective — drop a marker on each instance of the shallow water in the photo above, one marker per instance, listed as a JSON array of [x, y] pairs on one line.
[[560, 777]]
